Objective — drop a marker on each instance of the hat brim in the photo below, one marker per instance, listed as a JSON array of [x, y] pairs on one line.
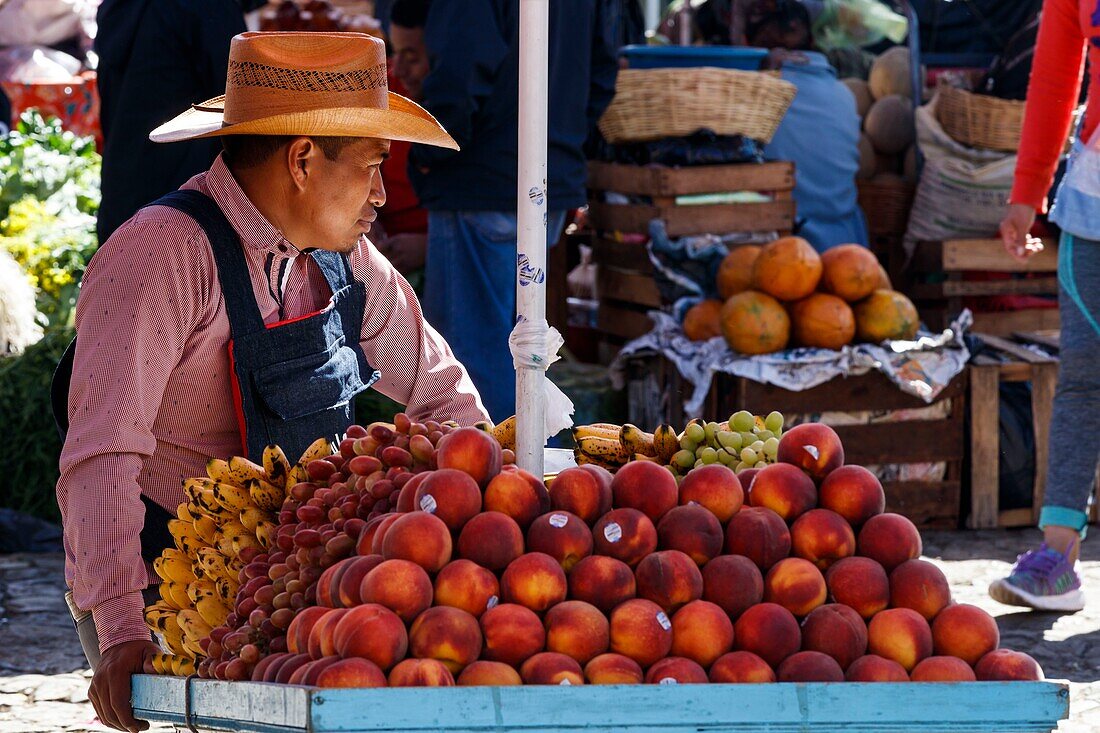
[[402, 120]]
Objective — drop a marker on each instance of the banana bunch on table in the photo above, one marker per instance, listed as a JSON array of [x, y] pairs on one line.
[[613, 446], [230, 517]]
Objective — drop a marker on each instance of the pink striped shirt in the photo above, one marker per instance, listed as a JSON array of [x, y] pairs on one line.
[[150, 400]]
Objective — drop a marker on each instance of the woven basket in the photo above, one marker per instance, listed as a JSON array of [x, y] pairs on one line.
[[651, 104], [886, 204], [980, 121]]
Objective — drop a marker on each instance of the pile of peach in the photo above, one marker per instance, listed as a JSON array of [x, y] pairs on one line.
[[484, 577]]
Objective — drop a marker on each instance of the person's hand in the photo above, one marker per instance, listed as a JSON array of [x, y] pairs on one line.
[[110, 688], [405, 251], [1014, 232]]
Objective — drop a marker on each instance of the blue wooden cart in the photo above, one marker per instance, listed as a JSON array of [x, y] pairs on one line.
[[1002, 707]]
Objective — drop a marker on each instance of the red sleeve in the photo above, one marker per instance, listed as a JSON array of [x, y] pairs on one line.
[[1051, 97]]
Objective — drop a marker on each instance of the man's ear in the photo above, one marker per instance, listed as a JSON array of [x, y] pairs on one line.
[[300, 157]]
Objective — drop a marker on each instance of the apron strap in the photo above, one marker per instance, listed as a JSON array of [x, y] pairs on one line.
[[240, 301], [335, 267]]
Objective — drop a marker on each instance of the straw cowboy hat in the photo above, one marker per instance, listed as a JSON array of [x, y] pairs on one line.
[[327, 84]]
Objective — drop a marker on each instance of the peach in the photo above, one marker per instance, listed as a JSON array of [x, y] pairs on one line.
[[449, 635], [769, 631], [364, 544], [795, 584], [421, 673], [518, 494], [746, 476], [602, 475], [873, 668], [602, 581], [641, 630], [624, 534], [785, 489], [966, 632], [921, 586], [399, 585], [406, 500], [716, 488], [421, 538], [613, 669], [810, 667], [676, 671], [646, 486], [297, 634], [822, 537], [859, 583], [1005, 664], [551, 668], [759, 534], [741, 668], [578, 630], [322, 637], [534, 580], [889, 539], [373, 632], [561, 535], [491, 539], [835, 630], [942, 669], [582, 493], [380, 532], [290, 666], [465, 584], [701, 632], [472, 451], [900, 634], [512, 634], [692, 530], [450, 495], [733, 582], [489, 674], [313, 670], [353, 672], [854, 493], [350, 583], [813, 447], [670, 579], [328, 585], [271, 661]]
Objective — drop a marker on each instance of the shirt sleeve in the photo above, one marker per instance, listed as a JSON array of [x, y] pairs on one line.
[[132, 326], [1051, 98], [417, 366]]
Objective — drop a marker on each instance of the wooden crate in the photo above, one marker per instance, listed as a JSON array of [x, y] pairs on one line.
[[656, 393], [911, 707], [938, 285]]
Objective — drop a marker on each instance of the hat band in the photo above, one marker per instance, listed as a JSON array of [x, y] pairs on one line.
[[252, 74]]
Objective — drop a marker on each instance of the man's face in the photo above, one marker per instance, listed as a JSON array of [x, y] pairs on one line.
[[410, 58], [338, 198]]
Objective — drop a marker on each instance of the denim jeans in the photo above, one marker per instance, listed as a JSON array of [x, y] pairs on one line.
[[470, 295]]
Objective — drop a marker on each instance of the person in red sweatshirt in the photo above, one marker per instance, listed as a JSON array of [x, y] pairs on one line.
[[1046, 578]]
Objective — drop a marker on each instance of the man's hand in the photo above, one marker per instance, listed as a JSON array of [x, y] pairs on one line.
[[1014, 232], [110, 688], [405, 251]]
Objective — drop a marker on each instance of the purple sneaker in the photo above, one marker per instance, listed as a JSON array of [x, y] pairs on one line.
[[1042, 579]]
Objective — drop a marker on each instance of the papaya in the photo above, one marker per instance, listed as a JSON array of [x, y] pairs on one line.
[[849, 271], [735, 272], [701, 322], [886, 315], [822, 321], [787, 269], [755, 323]]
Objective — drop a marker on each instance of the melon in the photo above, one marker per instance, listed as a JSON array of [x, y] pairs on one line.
[[884, 316], [701, 322], [822, 321], [735, 272], [849, 272], [890, 74], [889, 124], [861, 92], [788, 269], [868, 159], [755, 323]]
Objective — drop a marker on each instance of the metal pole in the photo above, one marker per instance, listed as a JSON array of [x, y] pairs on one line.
[[652, 14], [534, 33]]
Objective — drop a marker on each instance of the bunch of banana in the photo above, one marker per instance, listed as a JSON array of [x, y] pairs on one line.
[[173, 664], [229, 516], [504, 432], [612, 446]]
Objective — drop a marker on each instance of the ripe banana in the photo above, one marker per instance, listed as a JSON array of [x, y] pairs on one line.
[[298, 474], [176, 568], [206, 528], [213, 562], [665, 443], [276, 465], [218, 470], [161, 617], [598, 430], [184, 514], [243, 470], [212, 610], [231, 498], [192, 648], [585, 459], [266, 533], [173, 664], [173, 641], [202, 588], [264, 495], [319, 448], [226, 589], [175, 594], [193, 625], [505, 433], [636, 440], [485, 426], [252, 515], [644, 457], [187, 539], [606, 449]]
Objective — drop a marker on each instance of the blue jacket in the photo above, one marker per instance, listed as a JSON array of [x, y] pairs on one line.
[[473, 90], [820, 134]]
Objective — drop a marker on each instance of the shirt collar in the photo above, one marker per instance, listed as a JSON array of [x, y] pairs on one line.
[[255, 231]]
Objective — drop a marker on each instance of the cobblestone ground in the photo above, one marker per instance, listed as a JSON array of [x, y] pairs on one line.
[[43, 680]]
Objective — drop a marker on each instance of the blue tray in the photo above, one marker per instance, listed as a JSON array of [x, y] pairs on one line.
[[1005, 707], [724, 57]]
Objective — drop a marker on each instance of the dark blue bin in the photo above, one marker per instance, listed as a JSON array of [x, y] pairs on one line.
[[723, 57]]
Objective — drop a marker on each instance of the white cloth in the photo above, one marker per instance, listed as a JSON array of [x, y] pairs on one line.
[[535, 345]]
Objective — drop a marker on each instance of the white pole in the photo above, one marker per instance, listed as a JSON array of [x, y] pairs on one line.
[[652, 14], [534, 33]]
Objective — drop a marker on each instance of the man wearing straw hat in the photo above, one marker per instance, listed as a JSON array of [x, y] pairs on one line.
[[247, 308]]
